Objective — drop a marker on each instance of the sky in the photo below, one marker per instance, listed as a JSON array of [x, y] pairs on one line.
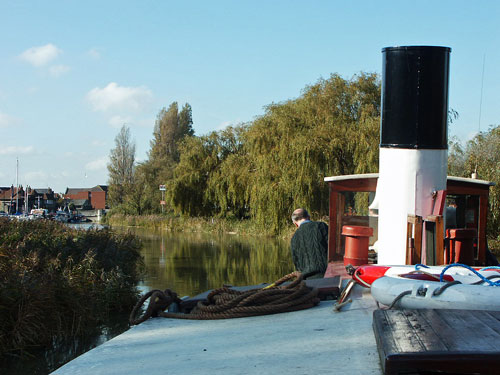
[[73, 72]]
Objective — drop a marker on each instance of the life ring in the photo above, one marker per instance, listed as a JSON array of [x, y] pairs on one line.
[[367, 274]]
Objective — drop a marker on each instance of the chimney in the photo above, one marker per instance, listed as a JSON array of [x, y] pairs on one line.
[[413, 141]]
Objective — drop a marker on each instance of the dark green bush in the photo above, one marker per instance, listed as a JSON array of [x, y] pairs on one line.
[[58, 281]]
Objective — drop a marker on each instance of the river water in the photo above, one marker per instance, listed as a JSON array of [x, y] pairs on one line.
[[187, 263], [191, 263]]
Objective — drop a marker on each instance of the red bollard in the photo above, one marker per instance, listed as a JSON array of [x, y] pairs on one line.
[[356, 244], [461, 249]]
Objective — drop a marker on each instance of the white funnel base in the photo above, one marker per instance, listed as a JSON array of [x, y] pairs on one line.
[[407, 180]]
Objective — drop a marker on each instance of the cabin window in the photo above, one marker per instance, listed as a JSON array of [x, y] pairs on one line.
[[462, 211]]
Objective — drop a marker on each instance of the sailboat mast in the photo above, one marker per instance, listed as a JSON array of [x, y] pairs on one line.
[[481, 99], [17, 185]]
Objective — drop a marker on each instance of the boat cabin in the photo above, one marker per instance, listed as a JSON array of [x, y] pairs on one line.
[[463, 205]]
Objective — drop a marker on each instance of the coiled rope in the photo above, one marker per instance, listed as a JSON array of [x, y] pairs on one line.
[[226, 303]]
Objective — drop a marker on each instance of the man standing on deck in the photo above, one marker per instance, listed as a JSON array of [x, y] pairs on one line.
[[309, 244]]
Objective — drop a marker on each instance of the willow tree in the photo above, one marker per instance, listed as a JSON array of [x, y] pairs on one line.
[[331, 129], [206, 180], [198, 158], [265, 169], [226, 186]]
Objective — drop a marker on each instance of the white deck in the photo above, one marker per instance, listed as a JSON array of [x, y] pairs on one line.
[[312, 341]]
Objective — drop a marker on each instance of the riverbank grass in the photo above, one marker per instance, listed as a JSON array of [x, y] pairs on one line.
[[61, 282], [174, 223]]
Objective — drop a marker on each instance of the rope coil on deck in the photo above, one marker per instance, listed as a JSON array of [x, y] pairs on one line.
[[226, 303]]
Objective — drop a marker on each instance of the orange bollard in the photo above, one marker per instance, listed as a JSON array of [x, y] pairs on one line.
[[356, 244]]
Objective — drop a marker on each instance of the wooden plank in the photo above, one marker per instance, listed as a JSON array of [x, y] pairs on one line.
[[468, 325], [450, 341], [340, 250], [447, 330], [418, 239], [414, 239], [410, 247], [439, 240], [386, 342], [428, 337], [332, 226], [360, 184], [429, 242], [481, 236], [404, 333], [491, 319]]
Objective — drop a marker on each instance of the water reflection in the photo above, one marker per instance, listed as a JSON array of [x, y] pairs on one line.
[[191, 263], [42, 361], [187, 263]]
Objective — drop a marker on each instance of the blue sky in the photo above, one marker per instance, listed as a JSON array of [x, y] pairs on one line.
[[73, 72]]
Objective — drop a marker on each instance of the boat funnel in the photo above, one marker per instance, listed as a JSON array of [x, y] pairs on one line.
[[413, 141]]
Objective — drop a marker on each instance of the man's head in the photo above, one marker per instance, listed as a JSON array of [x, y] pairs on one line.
[[299, 215]]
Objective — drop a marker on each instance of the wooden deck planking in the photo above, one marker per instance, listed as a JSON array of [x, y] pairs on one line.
[[452, 341]]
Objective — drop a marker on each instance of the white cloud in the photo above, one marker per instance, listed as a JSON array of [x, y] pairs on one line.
[[16, 150], [42, 55], [94, 54], [114, 97], [97, 164], [7, 120], [58, 70], [98, 143], [118, 121], [35, 176]]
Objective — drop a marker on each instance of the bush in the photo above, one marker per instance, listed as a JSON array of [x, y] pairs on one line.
[[58, 281]]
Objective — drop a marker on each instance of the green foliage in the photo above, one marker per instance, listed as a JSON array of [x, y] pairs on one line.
[[481, 155], [456, 158], [57, 281], [121, 167], [267, 168], [208, 179], [171, 128], [332, 129]]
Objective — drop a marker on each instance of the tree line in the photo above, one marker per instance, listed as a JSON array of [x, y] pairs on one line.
[[263, 169]]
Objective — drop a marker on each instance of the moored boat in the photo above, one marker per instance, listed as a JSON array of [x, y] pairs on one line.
[[413, 183]]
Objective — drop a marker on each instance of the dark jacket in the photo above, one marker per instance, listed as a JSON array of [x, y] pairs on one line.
[[310, 248]]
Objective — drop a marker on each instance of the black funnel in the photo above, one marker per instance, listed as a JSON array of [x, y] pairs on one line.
[[415, 97]]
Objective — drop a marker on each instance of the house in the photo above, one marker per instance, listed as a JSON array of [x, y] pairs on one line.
[[11, 199], [96, 196], [42, 198], [37, 198]]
